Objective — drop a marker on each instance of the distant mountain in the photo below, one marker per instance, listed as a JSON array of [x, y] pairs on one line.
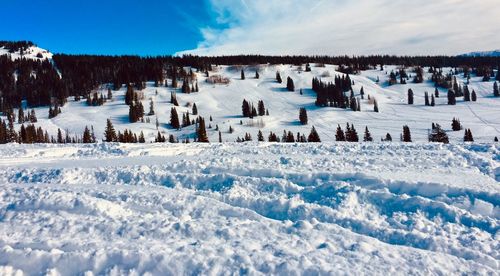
[[495, 53]]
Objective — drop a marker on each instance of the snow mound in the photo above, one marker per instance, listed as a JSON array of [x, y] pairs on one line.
[[249, 209]]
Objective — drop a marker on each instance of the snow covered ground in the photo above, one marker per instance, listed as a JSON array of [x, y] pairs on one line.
[[223, 103], [171, 209]]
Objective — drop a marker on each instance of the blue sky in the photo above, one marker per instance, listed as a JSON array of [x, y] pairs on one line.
[[276, 27], [144, 27]]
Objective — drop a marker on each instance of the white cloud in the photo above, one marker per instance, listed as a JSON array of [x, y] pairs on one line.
[[353, 27]]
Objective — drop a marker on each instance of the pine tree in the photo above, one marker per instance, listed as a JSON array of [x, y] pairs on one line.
[[368, 136], [406, 134], [141, 138], [426, 96], [496, 92], [109, 132], [451, 98], [20, 117], [362, 93], [290, 85], [195, 109], [261, 108], [303, 116], [86, 136], [254, 112], [278, 77], [438, 135], [257, 76], [220, 137], [110, 94], [410, 96], [174, 118], [151, 108], [466, 94], [375, 106], [60, 139], [242, 74], [245, 107], [468, 136], [313, 136], [455, 125], [473, 96], [32, 117], [339, 135], [436, 92], [260, 136], [201, 131], [388, 137], [433, 102]]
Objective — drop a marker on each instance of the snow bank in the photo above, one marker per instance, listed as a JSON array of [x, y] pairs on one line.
[[249, 209]]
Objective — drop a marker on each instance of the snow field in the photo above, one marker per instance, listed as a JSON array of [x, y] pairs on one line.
[[249, 209]]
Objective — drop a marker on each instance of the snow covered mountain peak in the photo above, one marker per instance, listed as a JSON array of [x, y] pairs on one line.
[[24, 50]]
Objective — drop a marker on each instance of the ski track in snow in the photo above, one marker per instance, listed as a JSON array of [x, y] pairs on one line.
[[170, 209]]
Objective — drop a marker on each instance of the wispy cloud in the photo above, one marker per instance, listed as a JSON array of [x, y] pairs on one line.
[[351, 27]]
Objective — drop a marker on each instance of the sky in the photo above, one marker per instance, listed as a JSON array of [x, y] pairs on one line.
[[223, 27]]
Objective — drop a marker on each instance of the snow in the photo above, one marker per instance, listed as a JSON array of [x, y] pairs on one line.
[[223, 103], [253, 208], [30, 53]]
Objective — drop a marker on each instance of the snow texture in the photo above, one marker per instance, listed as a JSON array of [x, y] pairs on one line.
[[289, 209]]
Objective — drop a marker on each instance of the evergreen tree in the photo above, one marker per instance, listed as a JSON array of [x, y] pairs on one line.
[[195, 109], [433, 102], [388, 137], [410, 96], [32, 117], [313, 136], [303, 116], [60, 139], [242, 74], [174, 118], [151, 108], [438, 135], [257, 76], [20, 117], [129, 95], [278, 77], [86, 136], [455, 125], [254, 112], [201, 131], [245, 107], [436, 92], [368, 136], [339, 135], [496, 92], [260, 136], [261, 109], [468, 136], [220, 137], [473, 96], [110, 94], [451, 98], [290, 85], [375, 106], [406, 134], [141, 138], [466, 94], [109, 132], [426, 96], [362, 93]]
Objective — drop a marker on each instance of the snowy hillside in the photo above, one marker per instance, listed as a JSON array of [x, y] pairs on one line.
[[171, 209], [223, 103], [32, 52]]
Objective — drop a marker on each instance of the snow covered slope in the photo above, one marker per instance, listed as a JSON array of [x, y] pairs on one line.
[[223, 103], [171, 209], [33, 52]]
